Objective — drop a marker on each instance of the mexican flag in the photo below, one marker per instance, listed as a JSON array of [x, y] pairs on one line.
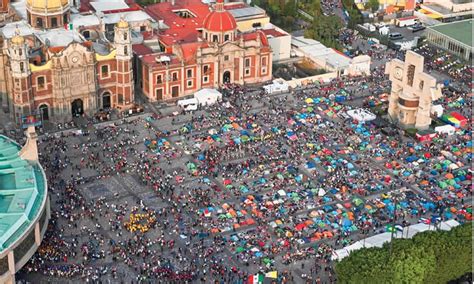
[[256, 279], [68, 27]]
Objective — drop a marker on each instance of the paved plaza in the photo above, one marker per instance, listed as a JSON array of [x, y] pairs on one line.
[[257, 183]]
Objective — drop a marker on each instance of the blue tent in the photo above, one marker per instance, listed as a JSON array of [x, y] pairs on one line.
[[346, 223], [411, 159], [310, 165]]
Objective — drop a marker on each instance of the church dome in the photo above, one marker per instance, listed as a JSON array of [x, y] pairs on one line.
[[47, 5], [220, 20], [122, 23], [18, 40]]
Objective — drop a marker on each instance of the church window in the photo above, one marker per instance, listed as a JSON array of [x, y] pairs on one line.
[[410, 75], [65, 19], [54, 22], [104, 71], [159, 79], [247, 72], [226, 58], [247, 62], [190, 83], [205, 69], [125, 36], [39, 22], [20, 52], [175, 76], [215, 38], [22, 66], [189, 73], [264, 61], [226, 37], [205, 79], [41, 82], [120, 98], [125, 50]]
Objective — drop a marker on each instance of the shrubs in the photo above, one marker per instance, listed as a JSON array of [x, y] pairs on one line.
[[429, 257]]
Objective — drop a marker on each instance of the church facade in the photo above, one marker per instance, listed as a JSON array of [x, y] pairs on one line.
[[62, 81], [209, 56]]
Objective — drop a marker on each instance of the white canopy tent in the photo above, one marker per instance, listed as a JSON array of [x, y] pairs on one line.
[[207, 97], [380, 239], [361, 115]]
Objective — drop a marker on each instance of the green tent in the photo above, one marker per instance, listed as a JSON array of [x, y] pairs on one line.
[[239, 249]]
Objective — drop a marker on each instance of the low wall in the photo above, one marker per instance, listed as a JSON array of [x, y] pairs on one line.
[[308, 80]]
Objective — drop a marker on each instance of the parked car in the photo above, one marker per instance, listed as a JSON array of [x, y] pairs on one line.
[[417, 28], [395, 36]]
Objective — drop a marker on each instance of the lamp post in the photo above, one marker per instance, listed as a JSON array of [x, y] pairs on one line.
[[396, 196]]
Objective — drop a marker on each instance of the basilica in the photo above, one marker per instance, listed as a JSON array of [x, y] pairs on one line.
[[61, 59], [201, 49]]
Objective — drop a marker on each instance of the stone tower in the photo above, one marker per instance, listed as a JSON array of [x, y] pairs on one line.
[[413, 92], [123, 46], [20, 72]]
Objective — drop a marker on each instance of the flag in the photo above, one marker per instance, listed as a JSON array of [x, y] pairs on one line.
[[255, 279], [69, 27], [272, 274]]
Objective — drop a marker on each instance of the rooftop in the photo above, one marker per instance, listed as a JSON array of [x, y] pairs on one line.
[[460, 31], [22, 192]]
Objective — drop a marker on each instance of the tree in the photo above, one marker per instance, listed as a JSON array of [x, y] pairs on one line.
[[326, 30], [429, 257], [373, 5]]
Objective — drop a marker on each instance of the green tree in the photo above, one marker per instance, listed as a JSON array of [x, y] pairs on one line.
[[373, 5], [429, 257], [326, 30]]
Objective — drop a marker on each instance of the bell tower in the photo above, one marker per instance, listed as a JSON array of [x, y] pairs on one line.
[[22, 96], [123, 47]]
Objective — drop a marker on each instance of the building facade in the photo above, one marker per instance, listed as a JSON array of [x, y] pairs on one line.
[[455, 38], [64, 79], [215, 55]]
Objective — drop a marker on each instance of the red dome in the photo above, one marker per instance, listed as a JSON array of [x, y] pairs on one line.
[[220, 21]]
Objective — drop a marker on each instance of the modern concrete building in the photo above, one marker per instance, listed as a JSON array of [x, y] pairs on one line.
[[454, 37], [24, 204], [413, 92]]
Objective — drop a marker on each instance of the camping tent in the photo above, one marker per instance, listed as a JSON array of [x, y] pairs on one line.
[[207, 96]]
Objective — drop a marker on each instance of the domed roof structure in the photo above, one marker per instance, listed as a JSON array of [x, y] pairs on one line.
[[220, 20], [17, 38], [122, 23], [47, 5]]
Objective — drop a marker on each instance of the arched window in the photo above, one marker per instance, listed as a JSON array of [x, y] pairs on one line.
[[22, 66], [125, 50], [215, 38], [226, 37], [125, 36]]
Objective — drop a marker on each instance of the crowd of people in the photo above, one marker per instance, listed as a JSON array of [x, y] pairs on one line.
[[266, 183]]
